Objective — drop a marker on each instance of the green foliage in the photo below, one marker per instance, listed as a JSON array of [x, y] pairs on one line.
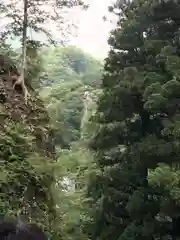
[[34, 186], [39, 13], [68, 70], [34, 63], [88, 125], [70, 74], [69, 64], [65, 106], [26, 177], [137, 141], [27, 180], [77, 164]]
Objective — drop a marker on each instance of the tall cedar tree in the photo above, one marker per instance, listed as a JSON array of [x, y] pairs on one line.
[[139, 120]]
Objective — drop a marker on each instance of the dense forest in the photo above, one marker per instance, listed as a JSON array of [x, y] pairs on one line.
[[90, 149]]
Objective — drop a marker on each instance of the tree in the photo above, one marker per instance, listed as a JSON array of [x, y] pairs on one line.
[[32, 17], [138, 115], [20, 80], [63, 90], [34, 64], [77, 162], [27, 180], [39, 13], [69, 70], [67, 63]]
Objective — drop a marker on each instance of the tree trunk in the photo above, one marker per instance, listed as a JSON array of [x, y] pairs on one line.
[[24, 39], [20, 80]]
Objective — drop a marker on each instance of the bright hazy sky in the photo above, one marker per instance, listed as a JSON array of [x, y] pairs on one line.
[[93, 31]]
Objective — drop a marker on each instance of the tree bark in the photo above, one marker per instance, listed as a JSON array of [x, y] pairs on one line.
[[20, 80]]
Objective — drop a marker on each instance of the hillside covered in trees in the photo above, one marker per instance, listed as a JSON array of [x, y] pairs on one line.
[[70, 73], [93, 151]]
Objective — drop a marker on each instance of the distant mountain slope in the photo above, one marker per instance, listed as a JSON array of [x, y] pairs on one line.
[[68, 63], [70, 73]]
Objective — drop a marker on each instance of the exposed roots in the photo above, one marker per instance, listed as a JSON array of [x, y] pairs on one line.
[[20, 81]]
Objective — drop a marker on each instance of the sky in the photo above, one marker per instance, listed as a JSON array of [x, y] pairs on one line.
[[93, 31]]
